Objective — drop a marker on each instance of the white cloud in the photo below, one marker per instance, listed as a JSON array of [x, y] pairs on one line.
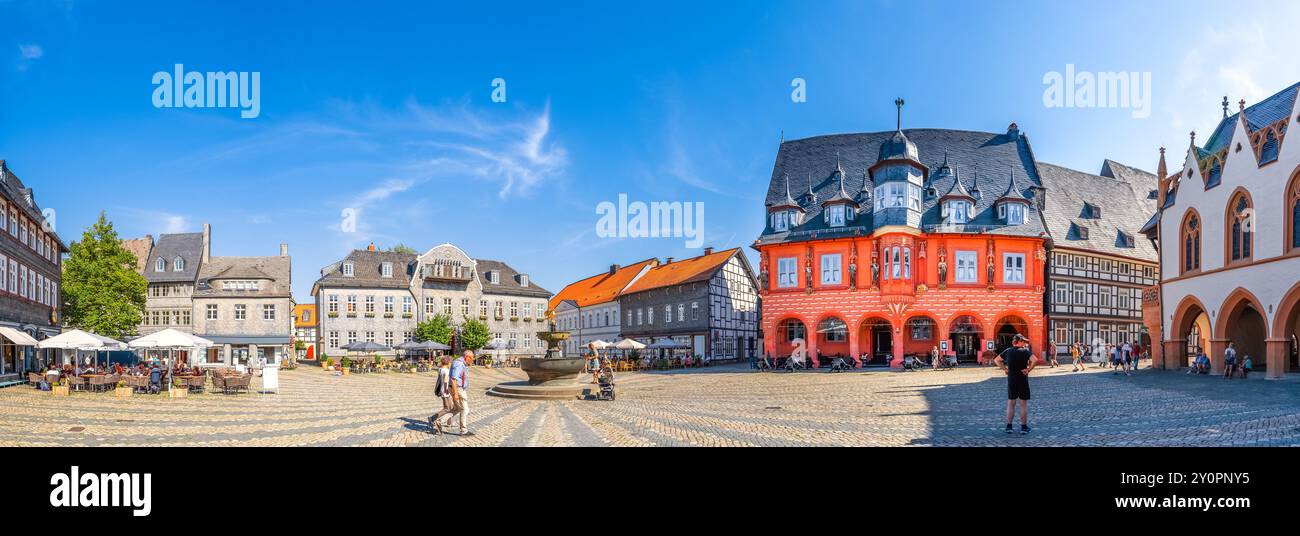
[[28, 54], [172, 223]]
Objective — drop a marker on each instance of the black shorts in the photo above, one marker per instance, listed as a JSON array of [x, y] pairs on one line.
[[1017, 386]]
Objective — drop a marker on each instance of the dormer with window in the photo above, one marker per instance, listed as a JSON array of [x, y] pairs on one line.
[[386, 269], [1091, 211], [840, 209], [958, 205], [349, 269], [178, 264], [523, 280], [494, 277], [1013, 206], [1124, 240], [160, 265], [786, 214]]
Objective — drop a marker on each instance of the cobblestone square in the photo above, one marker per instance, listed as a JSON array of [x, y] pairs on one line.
[[721, 406]]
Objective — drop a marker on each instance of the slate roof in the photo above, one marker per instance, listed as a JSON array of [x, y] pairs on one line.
[[600, 288], [188, 246], [699, 268], [276, 271], [984, 161], [509, 284], [1261, 114], [13, 188], [367, 271], [1125, 206]]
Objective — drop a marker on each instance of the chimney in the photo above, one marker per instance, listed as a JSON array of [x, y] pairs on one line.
[[207, 242], [613, 268], [1013, 131], [708, 251], [669, 260], [284, 250], [372, 247]]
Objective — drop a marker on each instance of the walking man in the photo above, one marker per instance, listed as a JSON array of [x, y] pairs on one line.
[[460, 389], [443, 390], [1017, 362]]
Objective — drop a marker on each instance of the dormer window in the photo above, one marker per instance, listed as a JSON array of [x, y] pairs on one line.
[[494, 277], [1080, 232], [1012, 213], [835, 216], [386, 269], [781, 220], [348, 269], [523, 280], [958, 211], [160, 265], [1091, 211], [1125, 240], [178, 265]]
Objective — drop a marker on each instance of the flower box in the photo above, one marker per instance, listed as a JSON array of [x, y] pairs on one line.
[[123, 392], [407, 315], [370, 315], [333, 315], [528, 319], [514, 319], [482, 317], [352, 315], [388, 315]]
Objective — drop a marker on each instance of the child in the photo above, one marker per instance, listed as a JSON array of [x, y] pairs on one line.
[[1246, 365]]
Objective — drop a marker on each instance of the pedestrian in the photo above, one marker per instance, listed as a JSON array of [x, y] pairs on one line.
[[460, 389], [442, 389], [1051, 353], [1017, 362], [935, 359], [1076, 354], [1137, 354], [1229, 361], [1246, 365], [593, 361], [1128, 356]]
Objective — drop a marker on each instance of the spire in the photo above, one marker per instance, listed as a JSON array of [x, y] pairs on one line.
[[1161, 169], [899, 103], [1193, 138], [789, 201], [1162, 180], [1013, 192], [958, 189], [1225, 106]]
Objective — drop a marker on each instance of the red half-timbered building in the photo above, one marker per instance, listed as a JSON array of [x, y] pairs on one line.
[[883, 245]]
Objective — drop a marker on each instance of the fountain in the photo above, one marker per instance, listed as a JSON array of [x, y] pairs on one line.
[[549, 378]]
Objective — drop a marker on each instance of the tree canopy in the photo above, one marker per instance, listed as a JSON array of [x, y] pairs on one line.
[[102, 291], [437, 329]]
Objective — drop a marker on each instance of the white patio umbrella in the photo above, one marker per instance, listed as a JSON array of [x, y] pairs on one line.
[[172, 340], [80, 340], [628, 344], [599, 344]]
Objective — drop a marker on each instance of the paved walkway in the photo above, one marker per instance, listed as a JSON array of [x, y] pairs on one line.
[[724, 406]]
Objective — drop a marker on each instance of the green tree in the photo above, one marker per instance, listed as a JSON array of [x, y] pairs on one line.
[[437, 329], [403, 248], [474, 335], [102, 291]]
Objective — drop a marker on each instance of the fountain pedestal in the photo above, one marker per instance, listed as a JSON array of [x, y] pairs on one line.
[[549, 378]]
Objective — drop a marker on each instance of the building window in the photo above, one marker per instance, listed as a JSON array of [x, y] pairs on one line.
[[160, 266], [370, 336], [833, 330], [446, 307], [640, 317], [967, 267], [1013, 268], [482, 308], [787, 272], [1191, 243], [386, 270], [922, 329], [268, 312], [430, 307], [668, 314], [464, 307], [957, 211], [831, 266], [388, 339], [389, 304], [781, 220], [408, 305], [241, 311], [352, 304], [1293, 204], [835, 215], [211, 311], [178, 265], [334, 339], [695, 311], [347, 269], [333, 305], [352, 337], [370, 304], [650, 316], [1013, 213], [1240, 227]]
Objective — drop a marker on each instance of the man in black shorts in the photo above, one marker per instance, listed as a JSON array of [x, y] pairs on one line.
[[1016, 362]]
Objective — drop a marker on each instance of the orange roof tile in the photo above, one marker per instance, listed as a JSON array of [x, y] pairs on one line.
[[666, 275], [600, 288]]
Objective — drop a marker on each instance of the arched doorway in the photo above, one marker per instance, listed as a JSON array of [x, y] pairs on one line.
[[965, 333], [1242, 323], [1006, 329], [790, 336], [1191, 327], [1286, 326], [832, 339], [876, 342]]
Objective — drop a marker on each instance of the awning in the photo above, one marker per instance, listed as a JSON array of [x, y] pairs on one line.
[[17, 337], [236, 340]]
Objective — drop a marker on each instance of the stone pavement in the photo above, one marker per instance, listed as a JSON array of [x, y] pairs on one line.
[[723, 406]]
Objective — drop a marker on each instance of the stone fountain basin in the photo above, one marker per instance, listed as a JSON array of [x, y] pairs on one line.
[[543, 371]]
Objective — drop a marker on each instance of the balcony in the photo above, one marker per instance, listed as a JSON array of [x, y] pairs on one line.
[[446, 272]]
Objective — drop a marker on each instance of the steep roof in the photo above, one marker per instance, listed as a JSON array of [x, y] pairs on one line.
[[367, 270], [1125, 206], [684, 271], [1261, 114], [600, 288], [19, 194], [188, 246], [509, 284], [987, 163], [274, 270], [140, 248]]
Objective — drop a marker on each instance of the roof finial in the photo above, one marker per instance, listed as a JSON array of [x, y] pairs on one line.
[[899, 103], [1225, 106], [787, 185], [1193, 138], [945, 159], [1242, 104], [783, 130], [1161, 169]]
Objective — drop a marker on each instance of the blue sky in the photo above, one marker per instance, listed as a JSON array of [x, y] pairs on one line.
[[386, 108]]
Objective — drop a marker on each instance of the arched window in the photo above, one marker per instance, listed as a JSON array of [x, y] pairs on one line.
[[1292, 197], [1191, 243], [1240, 225]]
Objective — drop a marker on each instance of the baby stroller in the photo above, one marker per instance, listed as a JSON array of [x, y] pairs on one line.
[[606, 383], [155, 382], [840, 365]]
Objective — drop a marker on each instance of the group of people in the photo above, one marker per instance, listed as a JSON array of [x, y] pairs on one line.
[[1119, 357], [76, 370], [1231, 365]]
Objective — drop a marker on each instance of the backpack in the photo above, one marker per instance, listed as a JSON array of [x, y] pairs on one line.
[[439, 387]]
